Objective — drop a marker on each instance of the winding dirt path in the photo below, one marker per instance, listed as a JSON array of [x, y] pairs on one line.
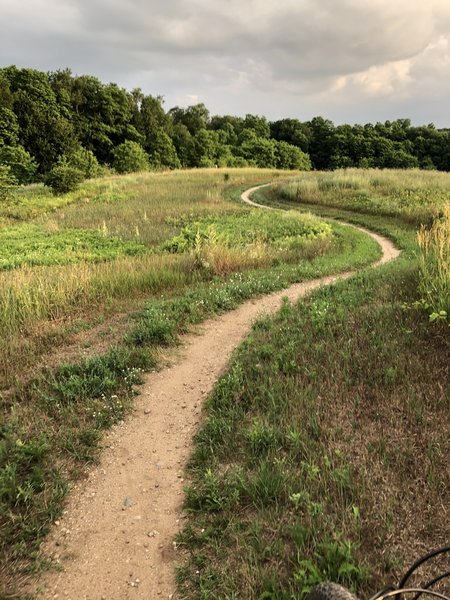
[[115, 538]]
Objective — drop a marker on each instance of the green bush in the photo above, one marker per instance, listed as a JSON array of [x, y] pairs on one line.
[[22, 165], [85, 161], [130, 157], [63, 178], [7, 182], [291, 157]]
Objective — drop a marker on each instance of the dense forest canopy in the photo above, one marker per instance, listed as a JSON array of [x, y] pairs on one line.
[[59, 120]]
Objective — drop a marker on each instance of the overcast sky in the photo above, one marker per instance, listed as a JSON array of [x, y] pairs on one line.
[[352, 61]]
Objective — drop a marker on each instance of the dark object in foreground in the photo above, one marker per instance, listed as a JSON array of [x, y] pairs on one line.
[[333, 591]]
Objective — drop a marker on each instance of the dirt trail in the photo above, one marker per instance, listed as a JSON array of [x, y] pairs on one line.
[[115, 538]]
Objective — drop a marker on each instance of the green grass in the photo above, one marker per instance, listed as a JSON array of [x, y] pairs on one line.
[[30, 245], [53, 428], [314, 458], [252, 227], [63, 411], [435, 267], [161, 321], [414, 196]]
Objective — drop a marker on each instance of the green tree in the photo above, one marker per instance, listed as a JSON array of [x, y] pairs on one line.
[[203, 149], [183, 143], [229, 126], [43, 130], [85, 161], [400, 158], [260, 125], [6, 96], [322, 145], [102, 116], [152, 117], [63, 177], [61, 82], [256, 150], [130, 157], [162, 151], [9, 127], [291, 131], [194, 117]]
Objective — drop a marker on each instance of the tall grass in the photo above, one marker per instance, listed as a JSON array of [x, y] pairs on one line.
[[434, 284], [415, 196]]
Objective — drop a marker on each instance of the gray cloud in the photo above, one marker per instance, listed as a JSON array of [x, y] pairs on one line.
[[278, 57]]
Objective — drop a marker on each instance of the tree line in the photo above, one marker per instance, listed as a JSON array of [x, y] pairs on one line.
[[57, 122]]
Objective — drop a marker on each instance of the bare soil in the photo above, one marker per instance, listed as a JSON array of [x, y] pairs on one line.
[[115, 540]]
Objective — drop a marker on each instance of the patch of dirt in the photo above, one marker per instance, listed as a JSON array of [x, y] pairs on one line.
[[89, 342], [57, 342], [115, 538]]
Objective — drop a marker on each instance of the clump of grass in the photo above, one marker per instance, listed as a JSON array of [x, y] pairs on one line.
[[162, 320], [434, 284], [250, 227], [34, 294], [251, 239]]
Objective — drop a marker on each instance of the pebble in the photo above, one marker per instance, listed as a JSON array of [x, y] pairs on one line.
[[153, 533]]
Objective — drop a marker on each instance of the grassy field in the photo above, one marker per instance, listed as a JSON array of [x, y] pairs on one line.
[[167, 251], [324, 448], [97, 251]]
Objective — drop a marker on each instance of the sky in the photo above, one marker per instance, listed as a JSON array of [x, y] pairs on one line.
[[351, 61]]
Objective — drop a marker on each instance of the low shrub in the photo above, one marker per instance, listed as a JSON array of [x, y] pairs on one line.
[[130, 157], [63, 178]]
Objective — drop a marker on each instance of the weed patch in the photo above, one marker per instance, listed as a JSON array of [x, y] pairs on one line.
[[31, 246]]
